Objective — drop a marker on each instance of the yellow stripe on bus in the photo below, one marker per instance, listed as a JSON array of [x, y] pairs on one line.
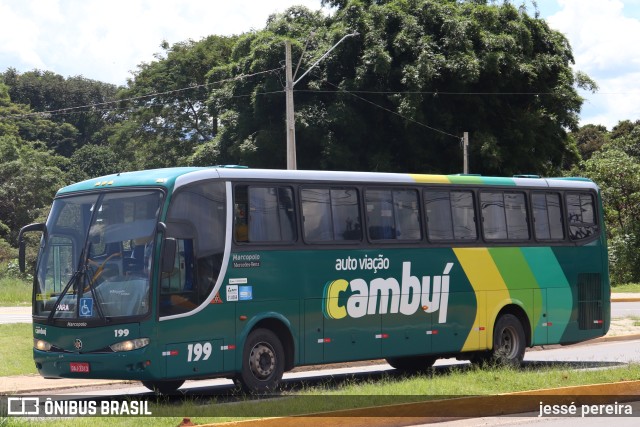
[[430, 179], [490, 289]]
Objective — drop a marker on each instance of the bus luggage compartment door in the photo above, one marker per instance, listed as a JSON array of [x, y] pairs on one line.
[[192, 359], [351, 338], [313, 332], [403, 335]]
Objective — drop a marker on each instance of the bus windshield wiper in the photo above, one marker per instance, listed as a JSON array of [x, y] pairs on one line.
[[74, 278]]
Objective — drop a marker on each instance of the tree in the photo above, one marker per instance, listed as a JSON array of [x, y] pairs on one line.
[[92, 161], [399, 96], [626, 136], [618, 175], [30, 173], [167, 112], [45, 91], [615, 167], [589, 139]]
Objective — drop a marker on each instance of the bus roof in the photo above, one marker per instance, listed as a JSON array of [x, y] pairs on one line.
[[176, 177]]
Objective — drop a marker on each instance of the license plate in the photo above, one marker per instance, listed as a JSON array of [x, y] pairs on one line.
[[79, 367]]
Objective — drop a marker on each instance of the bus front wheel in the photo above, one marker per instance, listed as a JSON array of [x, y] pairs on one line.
[[509, 341], [262, 362]]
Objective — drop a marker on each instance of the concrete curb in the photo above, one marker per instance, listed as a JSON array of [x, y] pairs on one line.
[[21, 384], [457, 408], [625, 299], [629, 337]]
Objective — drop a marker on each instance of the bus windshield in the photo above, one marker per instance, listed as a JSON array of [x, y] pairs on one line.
[[96, 258]]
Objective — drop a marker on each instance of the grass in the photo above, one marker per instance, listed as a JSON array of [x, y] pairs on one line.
[[635, 320], [15, 292], [378, 389], [16, 344], [627, 287]]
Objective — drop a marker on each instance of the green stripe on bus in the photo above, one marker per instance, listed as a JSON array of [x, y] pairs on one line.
[[520, 279]]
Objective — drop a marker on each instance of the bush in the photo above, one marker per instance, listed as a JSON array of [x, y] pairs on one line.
[[6, 251], [624, 259]]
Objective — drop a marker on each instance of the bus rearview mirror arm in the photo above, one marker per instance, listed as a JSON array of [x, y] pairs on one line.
[[40, 226]]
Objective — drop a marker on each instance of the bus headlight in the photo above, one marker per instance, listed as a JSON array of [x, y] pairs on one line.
[[41, 345], [130, 345]]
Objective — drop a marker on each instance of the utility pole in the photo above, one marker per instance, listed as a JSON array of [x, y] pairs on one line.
[[291, 121], [465, 153], [290, 83]]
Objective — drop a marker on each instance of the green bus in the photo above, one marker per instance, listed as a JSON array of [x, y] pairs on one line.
[[192, 273]]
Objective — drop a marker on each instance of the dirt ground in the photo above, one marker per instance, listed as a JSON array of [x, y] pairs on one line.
[[624, 326]]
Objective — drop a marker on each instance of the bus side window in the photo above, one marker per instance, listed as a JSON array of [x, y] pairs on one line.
[[547, 216], [464, 215], [240, 227], [331, 214], [438, 210], [196, 219], [393, 215], [581, 212], [450, 215], [515, 206], [504, 216], [264, 214]]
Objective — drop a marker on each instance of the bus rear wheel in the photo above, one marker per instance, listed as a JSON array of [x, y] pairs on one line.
[[163, 387], [509, 343], [262, 362], [412, 363]]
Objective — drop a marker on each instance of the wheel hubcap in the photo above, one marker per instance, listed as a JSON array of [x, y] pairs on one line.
[[262, 360], [508, 343]]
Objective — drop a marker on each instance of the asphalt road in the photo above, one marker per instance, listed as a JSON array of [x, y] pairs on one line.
[[625, 309]]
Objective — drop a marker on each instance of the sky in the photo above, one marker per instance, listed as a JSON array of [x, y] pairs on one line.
[[107, 40]]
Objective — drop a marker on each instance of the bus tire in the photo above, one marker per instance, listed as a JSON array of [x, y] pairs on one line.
[[163, 387], [411, 363], [509, 343], [262, 362]]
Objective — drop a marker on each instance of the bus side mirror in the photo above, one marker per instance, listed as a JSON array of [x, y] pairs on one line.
[[168, 255], [22, 245]]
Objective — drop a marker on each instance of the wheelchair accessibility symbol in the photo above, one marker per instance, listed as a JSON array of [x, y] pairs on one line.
[[86, 307]]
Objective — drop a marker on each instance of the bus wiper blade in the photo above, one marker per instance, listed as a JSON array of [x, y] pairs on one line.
[[74, 277]]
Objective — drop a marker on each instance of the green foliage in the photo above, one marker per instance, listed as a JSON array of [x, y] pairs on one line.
[[168, 116], [30, 179], [6, 250], [15, 288], [71, 127], [616, 169], [589, 139], [92, 161], [374, 102]]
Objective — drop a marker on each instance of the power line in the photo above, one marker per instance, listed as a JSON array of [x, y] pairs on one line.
[[67, 110], [354, 93], [390, 111]]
